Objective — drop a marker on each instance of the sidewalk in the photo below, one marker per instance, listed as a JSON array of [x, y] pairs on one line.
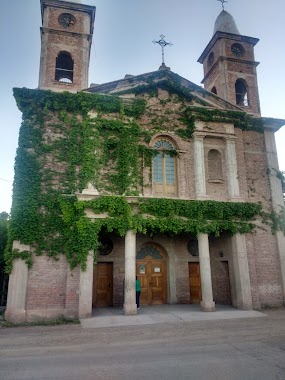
[[113, 317]]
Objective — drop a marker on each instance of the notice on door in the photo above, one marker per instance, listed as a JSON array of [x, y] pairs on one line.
[[157, 270], [142, 269]]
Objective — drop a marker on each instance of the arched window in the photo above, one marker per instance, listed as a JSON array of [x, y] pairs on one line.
[[211, 59], [241, 93], [164, 168], [214, 90], [64, 67], [215, 169]]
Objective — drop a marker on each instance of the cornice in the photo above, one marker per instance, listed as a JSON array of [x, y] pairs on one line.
[[65, 32], [229, 36], [229, 59]]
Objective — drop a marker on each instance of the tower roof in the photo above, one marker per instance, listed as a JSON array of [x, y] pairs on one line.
[[225, 23], [85, 2]]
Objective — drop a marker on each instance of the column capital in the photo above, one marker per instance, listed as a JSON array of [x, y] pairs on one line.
[[199, 135], [230, 139]]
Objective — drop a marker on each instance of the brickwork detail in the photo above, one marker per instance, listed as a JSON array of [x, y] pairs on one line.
[[47, 283]]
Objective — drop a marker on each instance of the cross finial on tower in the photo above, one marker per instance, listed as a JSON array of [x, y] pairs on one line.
[[223, 1], [162, 43]]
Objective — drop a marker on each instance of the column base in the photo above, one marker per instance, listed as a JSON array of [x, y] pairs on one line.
[[202, 197], [236, 199], [130, 309], [14, 315], [244, 306], [207, 306], [83, 314]]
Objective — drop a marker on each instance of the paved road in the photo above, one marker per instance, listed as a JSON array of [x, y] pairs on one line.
[[251, 348]]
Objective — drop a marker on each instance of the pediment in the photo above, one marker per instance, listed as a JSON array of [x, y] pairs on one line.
[[130, 86]]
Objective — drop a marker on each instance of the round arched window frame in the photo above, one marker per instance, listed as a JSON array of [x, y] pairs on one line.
[[164, 167]]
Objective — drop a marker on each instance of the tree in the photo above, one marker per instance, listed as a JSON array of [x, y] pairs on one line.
[[3, 235], [3, 241]]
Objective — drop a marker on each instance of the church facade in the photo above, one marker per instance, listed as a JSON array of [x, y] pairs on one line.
[[149, 176]]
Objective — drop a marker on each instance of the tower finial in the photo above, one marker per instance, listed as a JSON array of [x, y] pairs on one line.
[[223, 1], [162, 43]]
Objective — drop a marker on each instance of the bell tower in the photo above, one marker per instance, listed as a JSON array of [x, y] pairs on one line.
[[66, 38], [229, 65]]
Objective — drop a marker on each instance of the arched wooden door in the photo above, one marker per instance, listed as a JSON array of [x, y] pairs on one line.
[[152, 273]]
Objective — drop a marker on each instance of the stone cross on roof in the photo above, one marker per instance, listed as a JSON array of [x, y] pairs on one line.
[[223, 2], [162, 43]]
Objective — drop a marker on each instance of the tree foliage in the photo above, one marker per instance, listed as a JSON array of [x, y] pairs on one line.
[[3, 234]]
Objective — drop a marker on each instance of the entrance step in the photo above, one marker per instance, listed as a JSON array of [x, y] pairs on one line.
[[113, 317]]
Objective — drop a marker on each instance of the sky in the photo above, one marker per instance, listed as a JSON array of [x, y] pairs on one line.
[[122, 44]]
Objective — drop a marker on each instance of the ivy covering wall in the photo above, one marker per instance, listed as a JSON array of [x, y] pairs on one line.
[[69, 140]]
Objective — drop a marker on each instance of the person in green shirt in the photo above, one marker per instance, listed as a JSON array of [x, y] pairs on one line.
[[138, 292]]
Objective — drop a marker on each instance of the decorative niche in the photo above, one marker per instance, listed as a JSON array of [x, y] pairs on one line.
[[192, 247], [105, 246]]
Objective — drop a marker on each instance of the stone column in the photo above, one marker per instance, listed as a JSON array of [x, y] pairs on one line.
[[207, 303], [241, 273], [277, 198], [199, 161], [17, 289], [130, 307], [171, 250], [86, 288], [232, 174]]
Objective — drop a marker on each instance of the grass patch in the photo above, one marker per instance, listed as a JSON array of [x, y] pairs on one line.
[[52, 322]]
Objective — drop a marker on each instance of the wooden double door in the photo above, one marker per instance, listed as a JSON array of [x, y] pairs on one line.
[[152, 276], [220, 283], [103, 285]]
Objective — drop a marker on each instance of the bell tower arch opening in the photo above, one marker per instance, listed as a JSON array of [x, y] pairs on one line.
[[241, 93], [64, 67]]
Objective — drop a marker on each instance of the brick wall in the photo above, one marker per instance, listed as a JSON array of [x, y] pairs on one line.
[[81, 25], [72, 291], [262, 246], [221, 282], [47, 283], [267, 269], [182, 258]]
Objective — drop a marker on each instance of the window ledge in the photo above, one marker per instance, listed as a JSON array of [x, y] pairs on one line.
[[216, 180], [62, 83]]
